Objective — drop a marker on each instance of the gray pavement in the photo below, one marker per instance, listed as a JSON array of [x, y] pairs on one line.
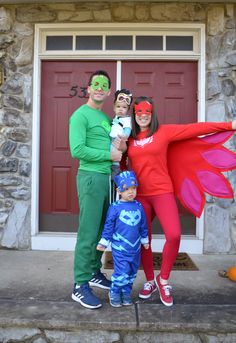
[[35, 293]]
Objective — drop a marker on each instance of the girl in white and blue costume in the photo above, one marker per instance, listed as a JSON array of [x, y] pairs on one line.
[[126, 229]]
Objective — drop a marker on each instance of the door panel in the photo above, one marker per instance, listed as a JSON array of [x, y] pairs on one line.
[[63, 90], [173, 87]]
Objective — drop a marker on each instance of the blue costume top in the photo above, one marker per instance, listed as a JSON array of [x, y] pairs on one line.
[[125, 227]]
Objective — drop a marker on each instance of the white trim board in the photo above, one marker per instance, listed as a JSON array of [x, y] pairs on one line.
[[66, 242]]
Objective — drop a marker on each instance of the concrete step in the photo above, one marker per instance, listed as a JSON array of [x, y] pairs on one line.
[[67, 322]]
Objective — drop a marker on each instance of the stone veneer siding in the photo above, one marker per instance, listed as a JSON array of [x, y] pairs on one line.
[[16, 59]]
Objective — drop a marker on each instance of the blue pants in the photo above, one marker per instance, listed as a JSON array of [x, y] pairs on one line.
[[125, 271]]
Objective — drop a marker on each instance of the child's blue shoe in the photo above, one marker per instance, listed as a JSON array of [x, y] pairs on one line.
[[126, 299], [115, 299]]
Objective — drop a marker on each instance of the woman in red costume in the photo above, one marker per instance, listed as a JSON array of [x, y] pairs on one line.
[[147, 154]]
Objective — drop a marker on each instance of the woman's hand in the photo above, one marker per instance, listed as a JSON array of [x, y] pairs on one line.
[[234, 124], [120, 143]]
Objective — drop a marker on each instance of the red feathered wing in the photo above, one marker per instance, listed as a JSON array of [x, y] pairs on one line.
[[195, 167]]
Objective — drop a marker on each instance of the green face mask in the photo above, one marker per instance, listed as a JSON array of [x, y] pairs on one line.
[[100, 82]]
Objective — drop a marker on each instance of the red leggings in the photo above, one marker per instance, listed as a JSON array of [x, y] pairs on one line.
[[165, 208]]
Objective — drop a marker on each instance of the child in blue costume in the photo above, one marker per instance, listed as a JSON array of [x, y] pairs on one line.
[[126, 229]]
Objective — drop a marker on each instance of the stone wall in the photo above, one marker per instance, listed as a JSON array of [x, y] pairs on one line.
[[16, 59], [220, 214]]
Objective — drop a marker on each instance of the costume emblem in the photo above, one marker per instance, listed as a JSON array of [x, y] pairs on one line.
[[106, 125], [130, 218], [142, 142]]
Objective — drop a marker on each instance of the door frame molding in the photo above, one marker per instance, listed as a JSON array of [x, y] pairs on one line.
[[66, 241]]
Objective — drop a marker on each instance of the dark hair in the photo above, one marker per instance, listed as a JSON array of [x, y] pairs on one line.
[[154, 121], [125, 91], [100, 72]]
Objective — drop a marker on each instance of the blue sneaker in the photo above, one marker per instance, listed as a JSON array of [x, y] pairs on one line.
[[115, 299], [84, 295], [126, 299], [99, 280]]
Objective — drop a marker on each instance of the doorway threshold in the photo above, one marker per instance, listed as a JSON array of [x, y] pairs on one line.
[[65, 241]]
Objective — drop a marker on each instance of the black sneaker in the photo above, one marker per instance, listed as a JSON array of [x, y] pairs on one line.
[[99, 280], [84, 295]]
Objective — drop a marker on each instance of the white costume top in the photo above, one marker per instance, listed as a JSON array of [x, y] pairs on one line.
[[120, 126]]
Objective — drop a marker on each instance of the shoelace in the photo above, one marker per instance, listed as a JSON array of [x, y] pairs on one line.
[[148, 286], [167, 289]]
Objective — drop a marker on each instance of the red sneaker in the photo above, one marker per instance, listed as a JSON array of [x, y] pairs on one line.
[[164, 291], [148, 289]]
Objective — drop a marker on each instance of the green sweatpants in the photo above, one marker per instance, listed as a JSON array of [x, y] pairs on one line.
[[93, 194]]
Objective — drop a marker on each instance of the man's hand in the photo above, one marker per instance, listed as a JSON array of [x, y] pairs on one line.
[[120, 143], [116, 155], [101, 247]]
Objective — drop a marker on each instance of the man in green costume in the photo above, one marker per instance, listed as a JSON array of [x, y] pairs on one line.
[[89, 129]]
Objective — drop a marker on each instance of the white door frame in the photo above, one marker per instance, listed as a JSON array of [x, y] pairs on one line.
[[66, 241]]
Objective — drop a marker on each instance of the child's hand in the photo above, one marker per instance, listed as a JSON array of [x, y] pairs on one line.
[[101, 247], [146, 246]]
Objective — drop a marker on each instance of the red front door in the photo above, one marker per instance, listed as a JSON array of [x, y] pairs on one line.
[[63, 90], [172, 85]]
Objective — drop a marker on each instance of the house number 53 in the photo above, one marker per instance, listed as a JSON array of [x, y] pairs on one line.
[[80, 92]]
